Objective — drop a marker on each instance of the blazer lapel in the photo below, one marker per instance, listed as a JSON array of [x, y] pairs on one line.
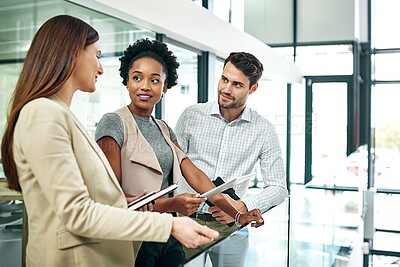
[[176, 163], [98, 151], [91, 141], [143, 153]]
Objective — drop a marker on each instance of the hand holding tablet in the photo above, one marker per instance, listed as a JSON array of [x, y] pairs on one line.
[[150, 197]]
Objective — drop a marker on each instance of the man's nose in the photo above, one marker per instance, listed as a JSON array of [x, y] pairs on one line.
[[227, 88]]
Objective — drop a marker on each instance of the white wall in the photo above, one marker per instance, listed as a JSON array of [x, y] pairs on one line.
[[326, 20], [317, 20], [271, 21]]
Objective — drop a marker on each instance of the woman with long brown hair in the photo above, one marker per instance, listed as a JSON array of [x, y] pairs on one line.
[[77, 212]]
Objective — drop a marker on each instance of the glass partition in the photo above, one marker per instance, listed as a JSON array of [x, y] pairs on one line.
[[8, 79], [270, 101], [218, 69], [325, 60], [19, 21], [385, 110], [229, 11], [268, 244], [184, 93], [326, 223], [384, 16], [297, 134], [386, 66], [329, 122], [323, 226]]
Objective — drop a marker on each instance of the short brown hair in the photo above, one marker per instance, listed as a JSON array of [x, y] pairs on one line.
[[248, 64]]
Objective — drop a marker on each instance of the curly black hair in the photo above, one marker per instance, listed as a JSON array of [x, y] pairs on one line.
[[154, 49]]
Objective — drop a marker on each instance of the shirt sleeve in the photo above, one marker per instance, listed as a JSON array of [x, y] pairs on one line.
[[110, 125], [273, 175]]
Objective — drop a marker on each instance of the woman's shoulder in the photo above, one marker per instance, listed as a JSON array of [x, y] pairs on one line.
[[42, 105], [44, 111], [110, 120], [41, 101]]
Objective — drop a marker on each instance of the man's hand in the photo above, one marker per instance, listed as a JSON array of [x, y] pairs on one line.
[[254, 217]]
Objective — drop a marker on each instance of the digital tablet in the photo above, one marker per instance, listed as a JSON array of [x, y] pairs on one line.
[[227, 185], [137, 203]]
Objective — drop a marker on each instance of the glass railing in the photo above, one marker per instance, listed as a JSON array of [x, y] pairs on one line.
[[267, 245], [327, 216], [324, 226], [352, 173]]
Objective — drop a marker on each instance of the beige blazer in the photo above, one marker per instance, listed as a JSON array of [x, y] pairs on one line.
[[140, 168], [76, 209]]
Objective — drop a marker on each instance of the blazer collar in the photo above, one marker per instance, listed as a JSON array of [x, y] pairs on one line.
[[142, 152]]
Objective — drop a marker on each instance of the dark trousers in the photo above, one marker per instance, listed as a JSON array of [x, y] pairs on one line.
[[157, 254]]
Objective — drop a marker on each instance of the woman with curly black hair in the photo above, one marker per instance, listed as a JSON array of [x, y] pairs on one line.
[[144, 152]]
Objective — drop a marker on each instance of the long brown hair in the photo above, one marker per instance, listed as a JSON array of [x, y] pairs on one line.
[[48, 64]]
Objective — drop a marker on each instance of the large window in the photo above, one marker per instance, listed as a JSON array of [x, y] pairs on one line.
[[19, 21], [329, 133], [297, 134], [185, 92], [385, 14], [387, 135], [329, 67], [227, 10], [386, 90], [325, 59], [213, 92], [385, 126], [270, 102]]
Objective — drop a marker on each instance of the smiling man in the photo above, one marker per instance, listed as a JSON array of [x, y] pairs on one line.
[[226, 139]]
